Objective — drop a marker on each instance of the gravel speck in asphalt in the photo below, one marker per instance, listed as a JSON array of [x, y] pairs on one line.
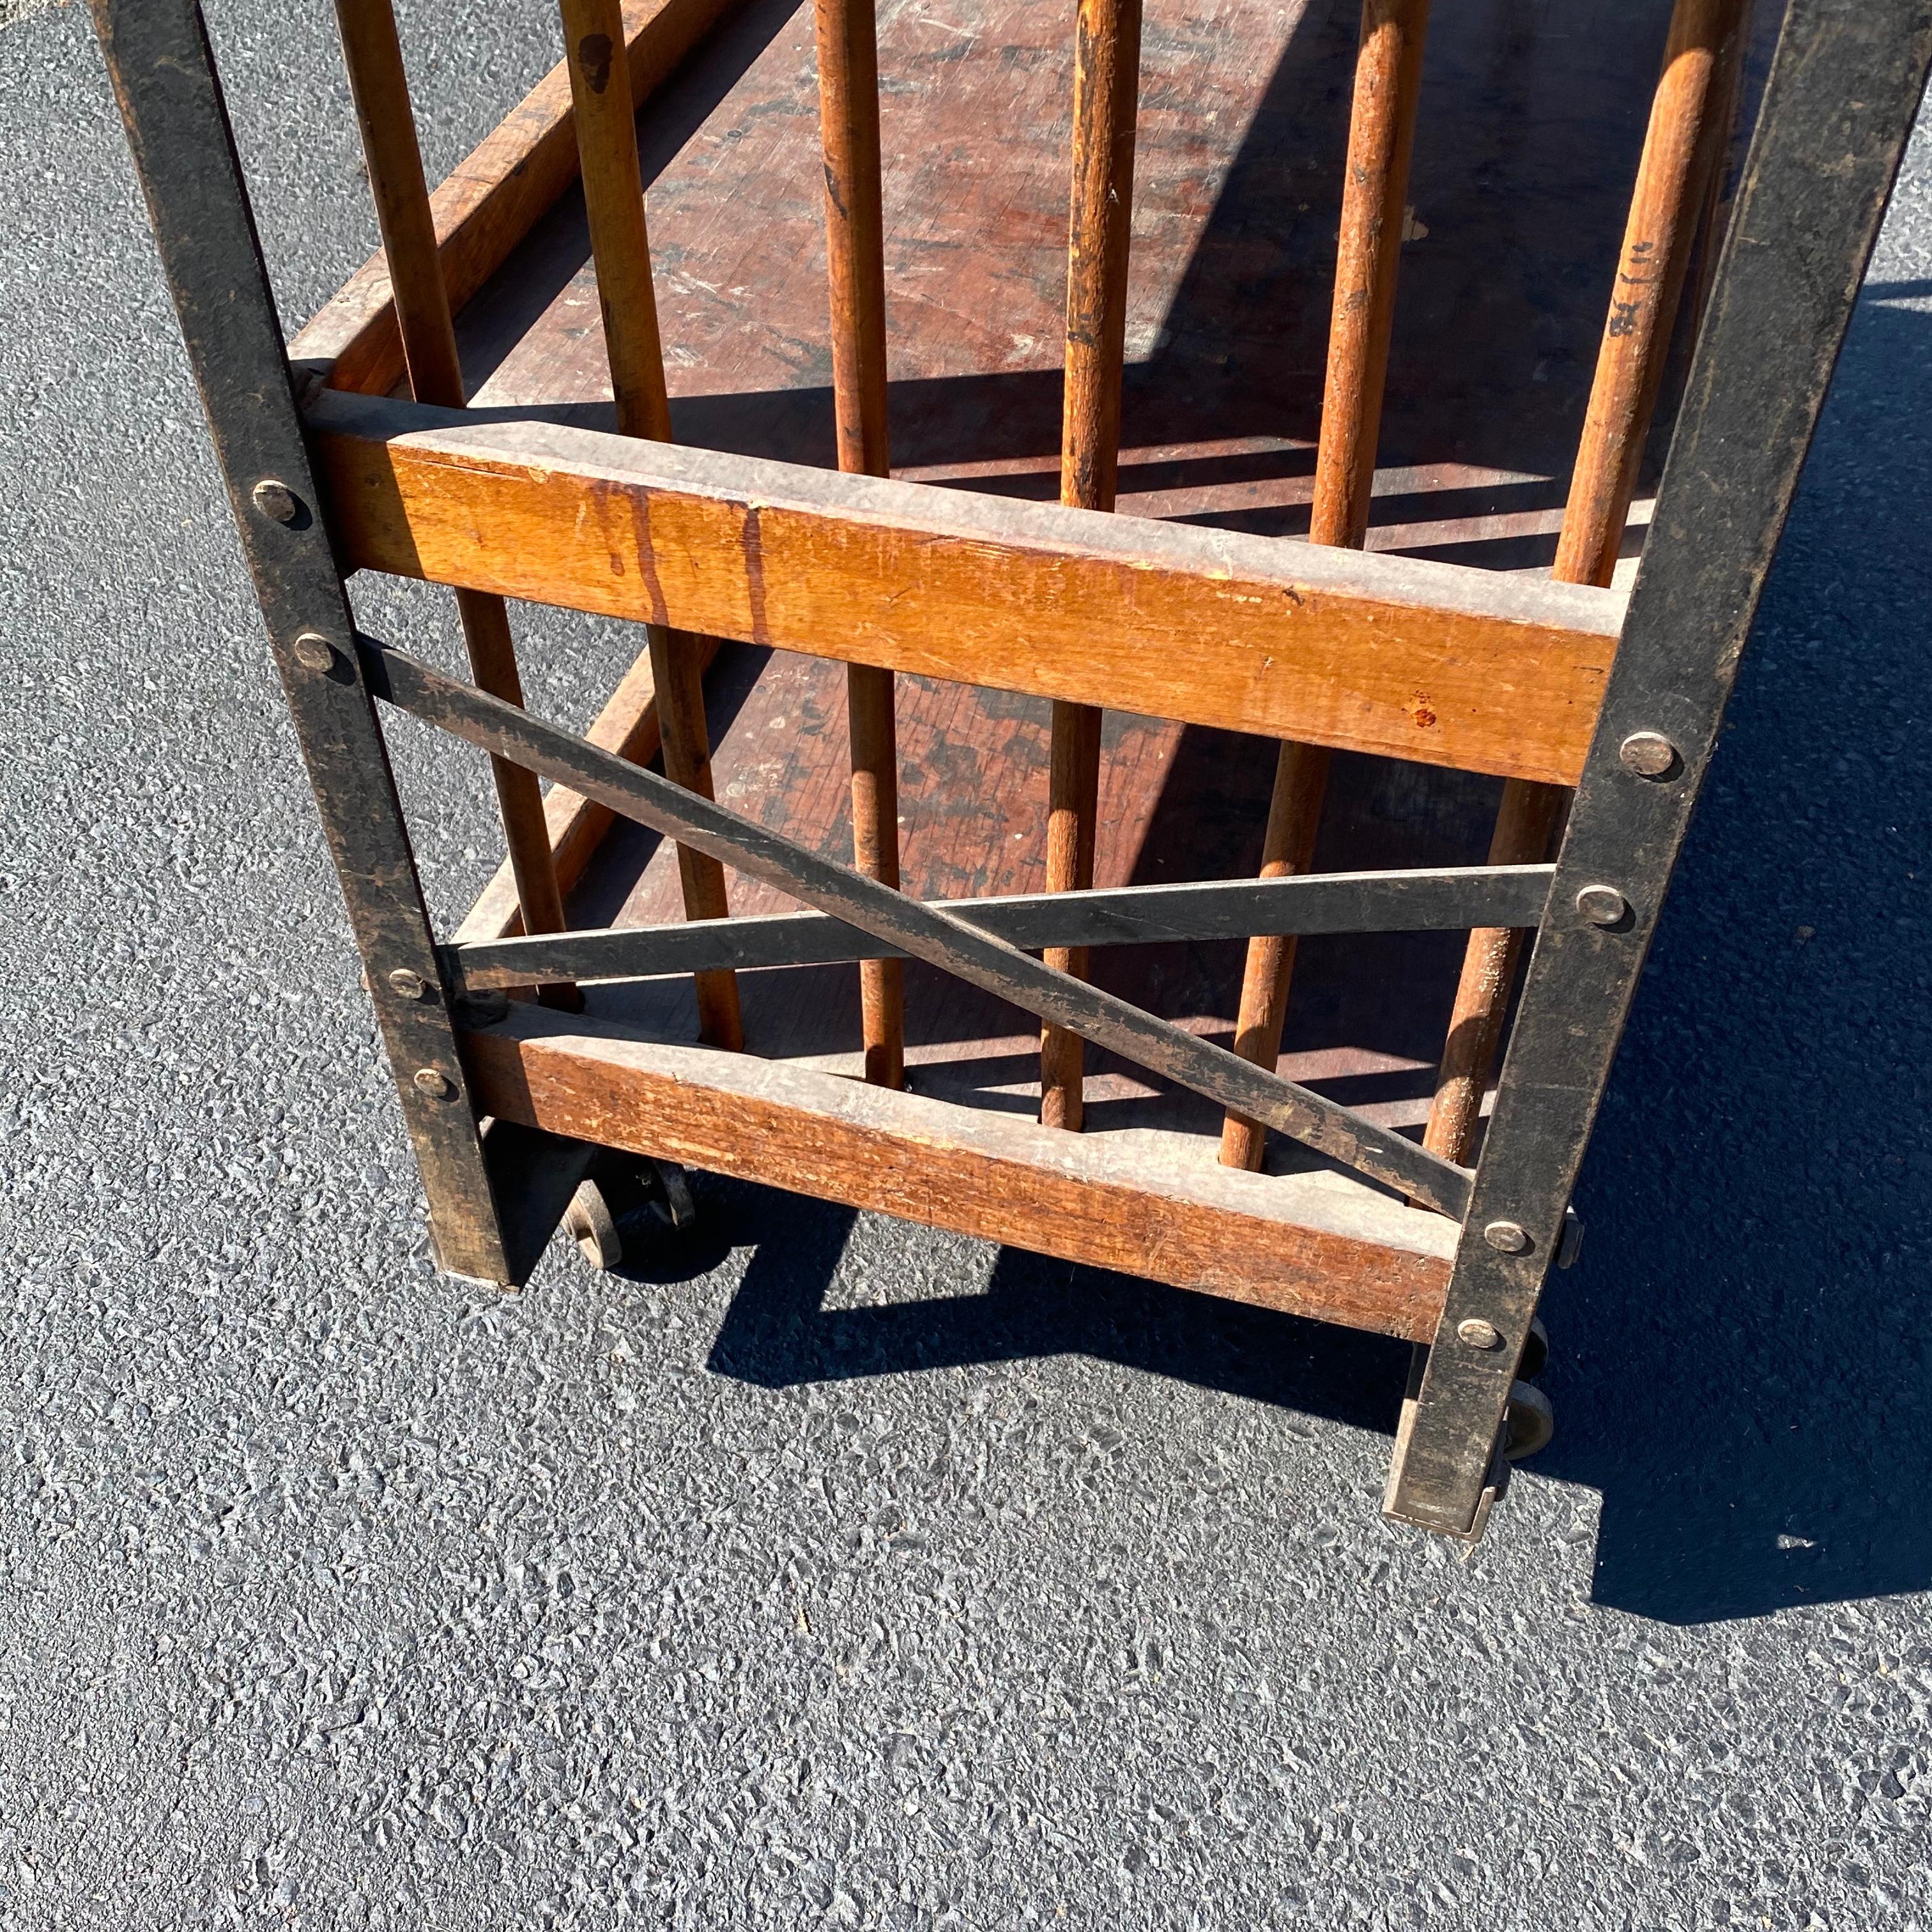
[[839, 1572]]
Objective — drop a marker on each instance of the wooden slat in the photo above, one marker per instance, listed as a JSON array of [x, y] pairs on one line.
[[613, 200], [848, 98], [387, 120], [1690, 118], [1365, 651], [493, 198], [1381, 136], [1312, 1244], [1106, 96]]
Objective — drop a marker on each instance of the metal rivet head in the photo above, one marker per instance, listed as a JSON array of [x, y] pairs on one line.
[[483, 1008], [1507, 1237], [1477, 1333], [411, 986], [277, 501], [1602, 905], [1648, 754], [314, 653], [437, 1086]]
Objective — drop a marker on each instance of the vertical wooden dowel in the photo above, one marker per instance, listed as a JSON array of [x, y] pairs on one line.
[[1690, 120], [1106, 96], [848, 107], [614, 197], [1382, 136], [380, 87]]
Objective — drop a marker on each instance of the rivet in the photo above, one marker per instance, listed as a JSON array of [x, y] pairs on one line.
[[437, 1086], [411, 986], [314, 653], [483, 1008], [1476, 1333], [1602, 905], [1648, 754], [1507, 1237], [277, 501]]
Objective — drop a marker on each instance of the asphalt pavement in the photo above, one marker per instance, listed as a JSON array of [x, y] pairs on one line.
[[834, 1571]]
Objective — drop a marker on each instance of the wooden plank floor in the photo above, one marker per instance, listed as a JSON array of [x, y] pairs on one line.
[[1532, 118]]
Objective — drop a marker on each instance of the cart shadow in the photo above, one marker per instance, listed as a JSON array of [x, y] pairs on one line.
[[1740, 1365], [777, 1333]]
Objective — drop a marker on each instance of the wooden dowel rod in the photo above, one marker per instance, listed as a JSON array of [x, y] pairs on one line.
[[614, 198], [848, 109], [380, 87], [1106, 99], [1382, 136], [1690, 121]]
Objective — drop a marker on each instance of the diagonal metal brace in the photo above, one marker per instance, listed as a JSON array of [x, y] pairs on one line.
[[1444, 898], [920, 931]]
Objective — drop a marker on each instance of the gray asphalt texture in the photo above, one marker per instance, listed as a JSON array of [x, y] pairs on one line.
[[837, 1572]]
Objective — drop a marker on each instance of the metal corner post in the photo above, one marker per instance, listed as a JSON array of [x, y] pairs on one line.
[[170, 99], [1844, 92]]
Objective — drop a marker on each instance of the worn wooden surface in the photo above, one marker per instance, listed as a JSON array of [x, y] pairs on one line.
[[1368, 253], [492, 199], [1480, 670], [1529, 130], [1106, 63], [606, 143], [848, 98], [1317, 1245]]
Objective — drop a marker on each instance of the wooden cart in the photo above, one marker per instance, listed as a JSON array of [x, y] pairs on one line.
[[964, 879]]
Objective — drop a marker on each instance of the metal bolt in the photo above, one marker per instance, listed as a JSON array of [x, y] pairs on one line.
[[1507, 1237], [1602, 905], [483, 1008], [277, 501], [314, 653], [411, 986], [1648, 754], [1477, 1333], [437, 1086]]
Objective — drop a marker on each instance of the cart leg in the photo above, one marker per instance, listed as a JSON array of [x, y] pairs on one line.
[[1843, 91], [164, 79]]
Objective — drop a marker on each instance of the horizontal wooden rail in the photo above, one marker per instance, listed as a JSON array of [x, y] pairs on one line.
[[1417, 660], [922, 931], [1444, 899], [493, 198], [1302, 1243]]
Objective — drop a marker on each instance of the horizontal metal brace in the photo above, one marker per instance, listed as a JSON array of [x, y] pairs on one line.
[[1448, 898], [920, 930]]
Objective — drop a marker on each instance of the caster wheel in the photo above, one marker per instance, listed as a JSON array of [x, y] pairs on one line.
[[1535, 1351], [616, 1208], [1528, 1423], [593, 1227]]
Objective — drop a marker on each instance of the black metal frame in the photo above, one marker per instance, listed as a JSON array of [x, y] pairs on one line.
[[1837, 111]]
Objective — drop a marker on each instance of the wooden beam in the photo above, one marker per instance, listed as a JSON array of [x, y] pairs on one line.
[[1312, 1244], [493, 198], [1356, 650]]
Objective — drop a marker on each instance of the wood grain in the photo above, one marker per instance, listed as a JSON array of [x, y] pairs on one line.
[[1382, 137], [1106, 98], [1311, 1244], [493, 198], [614, 201], [848, 103], [1421, 660]]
